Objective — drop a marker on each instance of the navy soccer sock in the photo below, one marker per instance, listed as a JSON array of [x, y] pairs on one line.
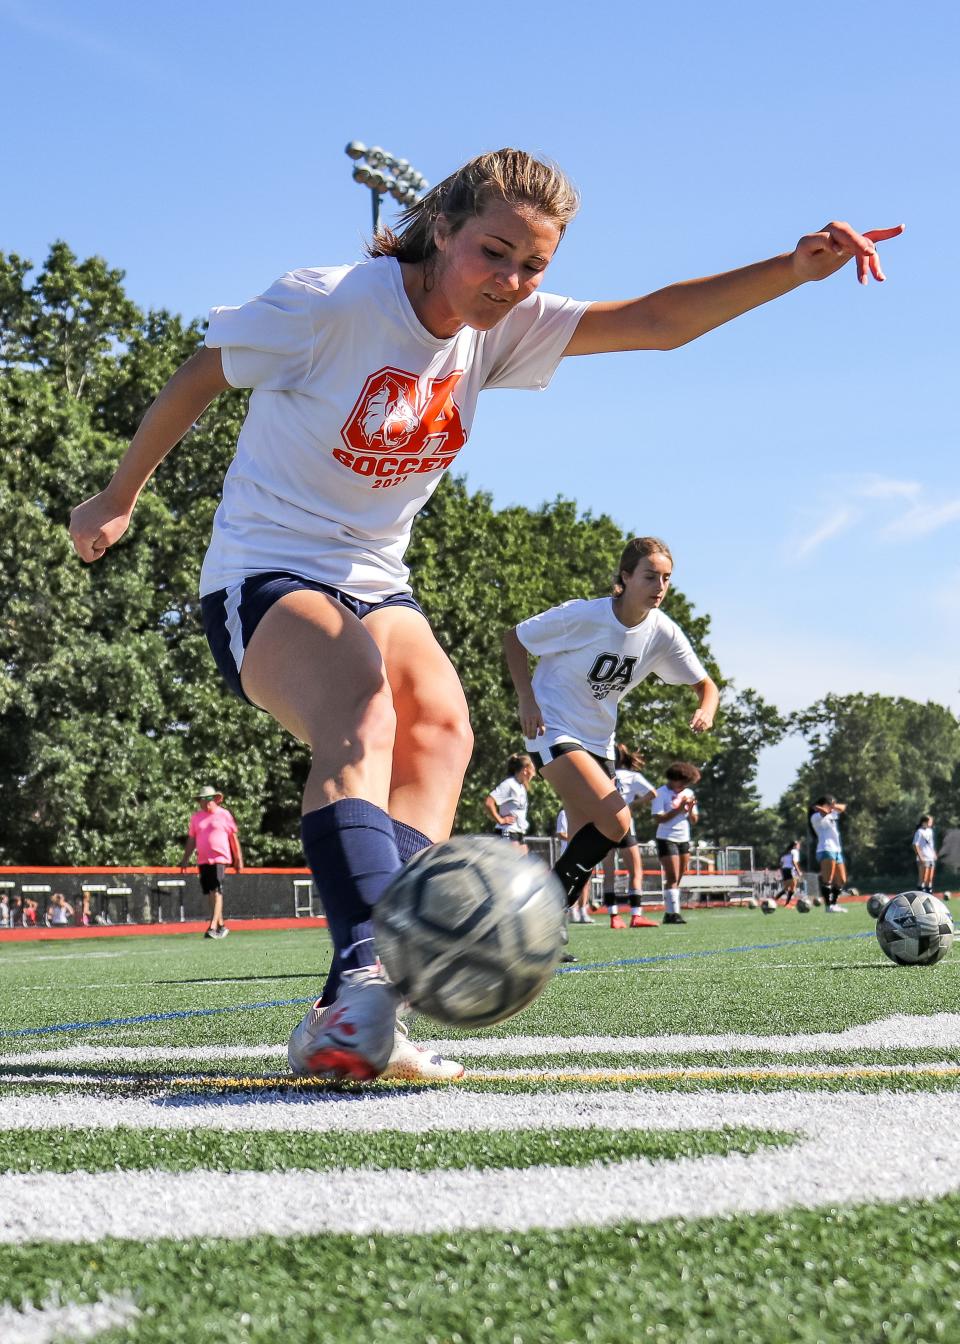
[[352, 854], [587, 848], [409, 840]]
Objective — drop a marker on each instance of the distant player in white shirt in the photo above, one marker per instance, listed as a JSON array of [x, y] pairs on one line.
[[674, 808], [925, 850], [364, 384], [591, 653], [790, 873], [507, 803], [823, 818], [635, 790]]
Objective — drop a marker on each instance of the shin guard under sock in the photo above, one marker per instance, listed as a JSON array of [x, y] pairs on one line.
[[409, 840], [352, 854], [574, 866]]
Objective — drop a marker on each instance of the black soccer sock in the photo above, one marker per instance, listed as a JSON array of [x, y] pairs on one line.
[[352, 854], [825, 891], [409, 840], [574, 866]]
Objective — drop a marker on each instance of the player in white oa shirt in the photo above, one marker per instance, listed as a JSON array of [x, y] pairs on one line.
[[591, 653], [365, 379], [925, 850]]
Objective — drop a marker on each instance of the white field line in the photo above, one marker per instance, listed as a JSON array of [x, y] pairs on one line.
[[832, 1166], [939, 1031], [56, 1321]]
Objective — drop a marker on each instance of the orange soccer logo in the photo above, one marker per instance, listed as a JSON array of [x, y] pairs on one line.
[[393, 415]]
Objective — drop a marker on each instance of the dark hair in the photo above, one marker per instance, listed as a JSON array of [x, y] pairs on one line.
[[924, 820], [825, 800], [635, 551], [508, 175], [516, 762], [627, 759], [684, 772]]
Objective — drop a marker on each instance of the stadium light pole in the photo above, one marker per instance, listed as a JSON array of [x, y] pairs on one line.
[[384, 174]]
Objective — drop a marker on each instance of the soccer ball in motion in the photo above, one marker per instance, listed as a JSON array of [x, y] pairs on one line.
[[803, 905], [876, 904], [768, 905], [915, 929], [471, 930]]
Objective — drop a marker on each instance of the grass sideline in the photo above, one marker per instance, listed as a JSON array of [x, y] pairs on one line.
[[208, 1105]]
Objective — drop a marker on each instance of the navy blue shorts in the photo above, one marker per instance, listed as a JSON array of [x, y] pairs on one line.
[[230, 615]]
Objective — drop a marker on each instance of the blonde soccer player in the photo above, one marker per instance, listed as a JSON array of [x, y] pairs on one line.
[[365, 380]]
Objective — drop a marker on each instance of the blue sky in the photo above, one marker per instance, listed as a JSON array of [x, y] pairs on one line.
[[801, 461]]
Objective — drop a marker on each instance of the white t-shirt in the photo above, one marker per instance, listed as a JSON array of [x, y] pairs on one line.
[[791, 859], [511, 800], [665, 800], [827, 830], [356, 413], [560, 828], [589, 661], [58, 915], [631, 785], [924, 841]]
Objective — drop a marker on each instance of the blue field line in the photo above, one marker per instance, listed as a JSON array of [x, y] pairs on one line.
[[561, 970], [709, 952], [153, 1017]]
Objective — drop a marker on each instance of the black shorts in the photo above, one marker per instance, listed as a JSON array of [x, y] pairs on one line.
[[666, 847], [516, 836], [787, 874], [230, 615], [629, 841], [542, 758], [211, 877]]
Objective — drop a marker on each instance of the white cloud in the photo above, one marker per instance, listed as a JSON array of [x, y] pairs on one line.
[[922, 519], [835, 523], [885, 487]]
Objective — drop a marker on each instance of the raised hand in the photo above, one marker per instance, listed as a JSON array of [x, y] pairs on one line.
[[818, 255]]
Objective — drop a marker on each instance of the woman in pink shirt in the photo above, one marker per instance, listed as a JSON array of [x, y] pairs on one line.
[[213, 834]]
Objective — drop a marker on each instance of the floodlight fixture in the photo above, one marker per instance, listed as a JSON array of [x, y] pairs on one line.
[[385, 175]]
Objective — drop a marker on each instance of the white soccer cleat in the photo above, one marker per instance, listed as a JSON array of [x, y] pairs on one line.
[[412, 1063], [352, 1037]]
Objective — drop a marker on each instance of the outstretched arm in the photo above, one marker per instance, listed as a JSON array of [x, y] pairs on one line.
[[101, 520], [680, 313]]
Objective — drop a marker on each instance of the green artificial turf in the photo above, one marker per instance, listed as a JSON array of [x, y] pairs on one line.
[[188, 1150], [858, 1276]]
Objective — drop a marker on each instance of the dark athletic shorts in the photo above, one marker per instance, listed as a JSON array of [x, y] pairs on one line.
[[230, 615], [548, 754], [211, 877], [787, 874], [665, 847]]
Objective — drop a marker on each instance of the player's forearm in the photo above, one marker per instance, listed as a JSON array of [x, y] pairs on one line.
[[178, 406], [678, 314], [518, 664]]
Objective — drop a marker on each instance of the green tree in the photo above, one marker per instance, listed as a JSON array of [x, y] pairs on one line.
[[889, 759]]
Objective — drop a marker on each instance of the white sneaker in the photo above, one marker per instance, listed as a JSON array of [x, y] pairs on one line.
[[351, 1038], [412, 1063], [837, 910]]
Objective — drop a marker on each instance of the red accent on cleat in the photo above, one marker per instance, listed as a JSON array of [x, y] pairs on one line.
[[616, 922], [333, 1063], [641, 922]]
